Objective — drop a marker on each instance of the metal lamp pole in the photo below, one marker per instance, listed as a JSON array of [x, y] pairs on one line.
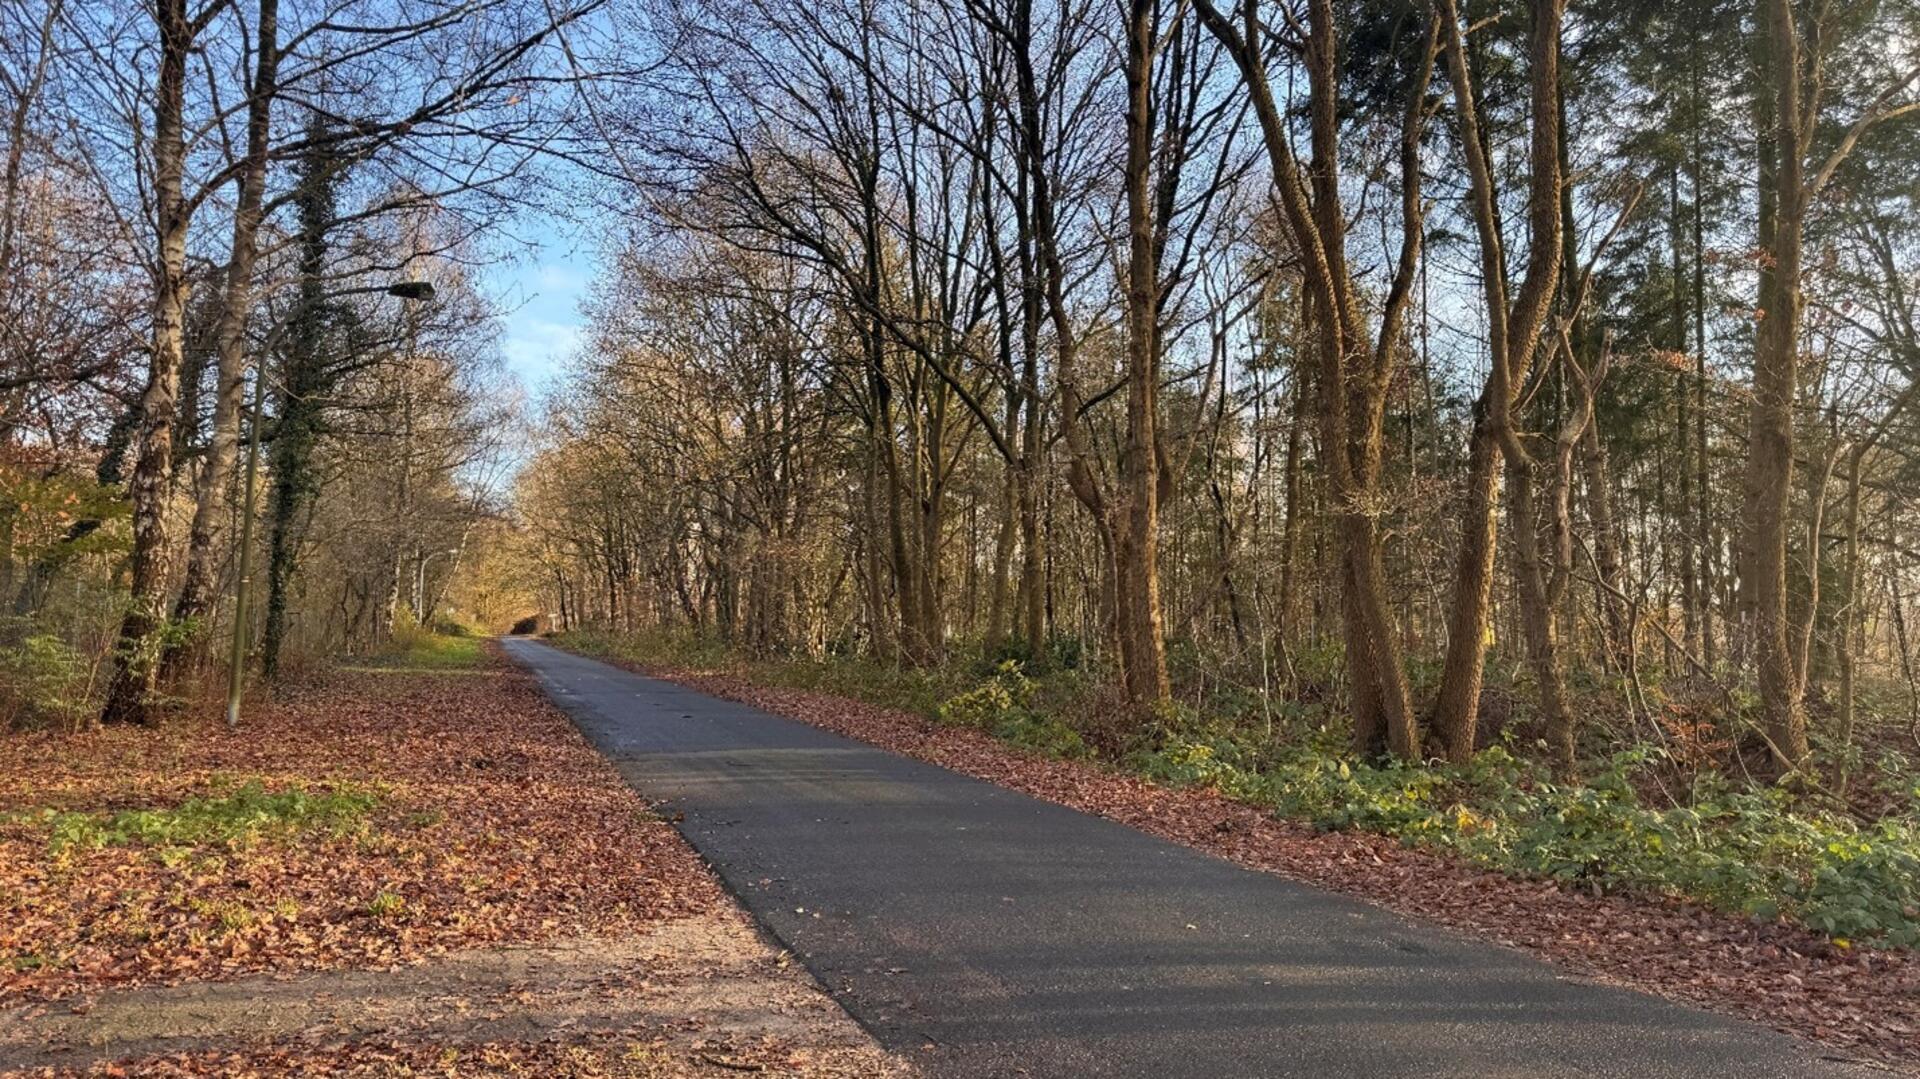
[[236, 656], [424, 615]]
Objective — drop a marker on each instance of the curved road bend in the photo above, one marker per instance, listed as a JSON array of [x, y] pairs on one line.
[[982, 932]]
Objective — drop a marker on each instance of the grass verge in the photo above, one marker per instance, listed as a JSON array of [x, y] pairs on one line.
[[422, 651]]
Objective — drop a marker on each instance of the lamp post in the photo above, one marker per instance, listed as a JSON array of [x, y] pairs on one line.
[[237, 654], [423, 615], [407, 291], [411, 290]]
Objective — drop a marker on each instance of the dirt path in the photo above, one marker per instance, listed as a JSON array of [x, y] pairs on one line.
[[697, 994]]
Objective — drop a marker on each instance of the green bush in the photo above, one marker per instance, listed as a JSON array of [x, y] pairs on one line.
[[987, 703], [1002, 706], [1752, 852], [416, 648], [1041, 733], [44, 682], [1866, 884], [453, 626], [664, 647]]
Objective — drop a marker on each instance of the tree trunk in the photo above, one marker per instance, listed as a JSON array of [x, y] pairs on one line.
[[1136, 531], [297, 427], [1000, 586], [1513, 339], [131, 695], [880, 623], [1469, 627], [1352, 383], [1852, 622], [1286, 604], [196, 590], [1769, 479], [1693, 597], [1536, 616]]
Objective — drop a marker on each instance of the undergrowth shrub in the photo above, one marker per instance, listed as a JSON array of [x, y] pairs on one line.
[[1748, 851], [917, 690], [666, 647], [1001, 705], [418, 648], [44, 682], [1741, 850]]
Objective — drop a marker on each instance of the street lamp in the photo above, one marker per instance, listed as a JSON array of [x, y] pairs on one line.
[[411, 290], [407, 291], [420, 583]]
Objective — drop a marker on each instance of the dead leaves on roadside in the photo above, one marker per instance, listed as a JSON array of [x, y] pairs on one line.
[[495, 821], [627, 1055]]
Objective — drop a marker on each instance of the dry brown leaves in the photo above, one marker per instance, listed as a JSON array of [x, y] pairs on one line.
[[1864, 1000], [496, 822], [630, 1055]]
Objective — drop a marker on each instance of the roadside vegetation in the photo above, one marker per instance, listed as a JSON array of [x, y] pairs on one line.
[[412, 648], [1642, 820]]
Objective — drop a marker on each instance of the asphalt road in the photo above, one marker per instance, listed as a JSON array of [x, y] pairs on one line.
[[985, 933]]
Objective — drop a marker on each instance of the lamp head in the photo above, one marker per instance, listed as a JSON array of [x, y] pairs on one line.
[[411, 290]]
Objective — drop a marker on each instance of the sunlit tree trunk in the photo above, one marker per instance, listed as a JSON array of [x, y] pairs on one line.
[[1136, 526], [1513, 337], [197, 587], [1769, 477], [131, 693], [1351, 379]]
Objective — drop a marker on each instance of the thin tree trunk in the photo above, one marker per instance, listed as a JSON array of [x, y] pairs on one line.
[[1850, 617], [1536, 616], [1513, 339], [1352, 382], [1693, 597], [1287, 604], [1703, 526], [1137, 584], [1001, 599]]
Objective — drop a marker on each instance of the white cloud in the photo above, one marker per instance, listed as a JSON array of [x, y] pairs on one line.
[[537, 348]]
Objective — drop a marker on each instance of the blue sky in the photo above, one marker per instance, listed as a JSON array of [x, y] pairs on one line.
[[541, 293]]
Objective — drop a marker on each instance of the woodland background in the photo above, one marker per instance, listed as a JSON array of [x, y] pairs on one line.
[[1485, 423]]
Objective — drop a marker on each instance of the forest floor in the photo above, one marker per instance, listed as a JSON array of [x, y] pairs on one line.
[[418, 867], [1863, 1002]]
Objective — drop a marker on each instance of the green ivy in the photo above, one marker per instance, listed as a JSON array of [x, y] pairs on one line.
[[1752, 852]]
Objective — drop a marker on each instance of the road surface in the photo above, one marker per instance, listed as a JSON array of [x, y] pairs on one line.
[[981, 932]]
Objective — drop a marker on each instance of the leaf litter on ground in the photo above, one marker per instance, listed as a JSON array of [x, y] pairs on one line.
[[370, 820]]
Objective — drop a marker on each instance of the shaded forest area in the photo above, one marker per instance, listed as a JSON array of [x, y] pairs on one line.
[[1485, 424]]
